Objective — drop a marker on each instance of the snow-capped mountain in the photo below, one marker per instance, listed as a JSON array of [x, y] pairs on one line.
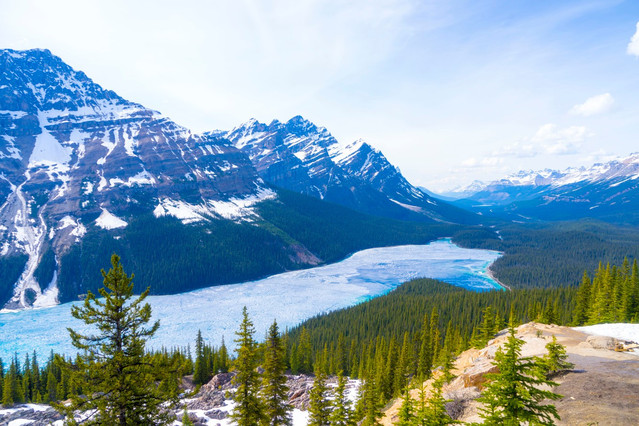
[[74, 156], [300, 156], [604, 190]]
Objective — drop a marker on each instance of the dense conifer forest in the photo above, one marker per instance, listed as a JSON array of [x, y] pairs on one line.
[[551, 255]]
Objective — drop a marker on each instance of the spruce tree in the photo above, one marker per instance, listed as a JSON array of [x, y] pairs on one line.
[[200, 374], [304, 352], [434, 411], [319, 408], [7, 394], [580, 313], [407, 410], [513, 395], [249, 410], [342, 413], [425, 361], [117, 378], [556, 358], [274, 389], [186, 420]]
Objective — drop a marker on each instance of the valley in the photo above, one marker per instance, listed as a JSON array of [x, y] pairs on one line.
[[291, 297]]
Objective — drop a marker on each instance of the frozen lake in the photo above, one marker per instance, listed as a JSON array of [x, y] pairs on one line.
[[290, 298]]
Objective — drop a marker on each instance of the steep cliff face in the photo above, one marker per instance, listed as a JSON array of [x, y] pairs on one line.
[[73, 155], [300, 156]]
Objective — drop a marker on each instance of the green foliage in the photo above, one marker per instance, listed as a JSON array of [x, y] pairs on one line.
[[274, 389], [513, 395], [201, 374], [319, 408], [118, 380], [407, 410], [362, 328], [185, 258], [341, 411], [554, 254], [249, 410], [432, 411], [611, 296], [186, 421], [555, 360]]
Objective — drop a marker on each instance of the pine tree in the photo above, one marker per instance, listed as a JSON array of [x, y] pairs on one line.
[[304, 352], [52, 386], [117, 378], [434, 412], [580, 313], [274, 389], [186, 421], [555, 360], [319, 408], [407, 410], [249, 410], [512, 396], [371, 408], [342, 413], [7, 394], [425, 361], [200, 374]]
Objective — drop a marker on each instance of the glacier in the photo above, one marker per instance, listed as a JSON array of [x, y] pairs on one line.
[[290, 298]]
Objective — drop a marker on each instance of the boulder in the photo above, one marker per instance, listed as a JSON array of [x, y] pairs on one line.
[[602, 342]]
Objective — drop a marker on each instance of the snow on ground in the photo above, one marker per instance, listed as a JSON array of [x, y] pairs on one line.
[[621, 331], [107, 220], [290, 298]]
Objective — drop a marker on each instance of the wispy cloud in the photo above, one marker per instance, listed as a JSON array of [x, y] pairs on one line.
[[549, 139], [633, 46], [594, 105]]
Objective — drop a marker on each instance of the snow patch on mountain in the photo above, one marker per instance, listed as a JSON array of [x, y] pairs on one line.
[[237, 209], [108, 220], [79, 229], [48, 151], [241, 208]]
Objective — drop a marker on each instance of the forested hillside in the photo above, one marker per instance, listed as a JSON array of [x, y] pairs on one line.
[[552, 254], [295, 231]]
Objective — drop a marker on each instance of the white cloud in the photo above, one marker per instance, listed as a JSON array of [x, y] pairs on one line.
[[633, 46], [484, 162], [548, 140], [555, 141], [595, 104]]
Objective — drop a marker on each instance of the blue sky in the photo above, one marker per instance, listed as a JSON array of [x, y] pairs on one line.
[[451, 91]]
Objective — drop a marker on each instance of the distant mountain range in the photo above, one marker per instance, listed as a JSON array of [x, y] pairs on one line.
[[607, 191], [79, 167]]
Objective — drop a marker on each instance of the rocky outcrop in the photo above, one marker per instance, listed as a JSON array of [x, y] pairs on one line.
[[30, 416], [598, 391]]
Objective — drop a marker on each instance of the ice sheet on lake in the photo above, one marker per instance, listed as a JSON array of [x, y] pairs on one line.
[[289, 297]]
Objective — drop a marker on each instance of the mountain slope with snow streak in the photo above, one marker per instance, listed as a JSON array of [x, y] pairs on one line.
[[74, 155]]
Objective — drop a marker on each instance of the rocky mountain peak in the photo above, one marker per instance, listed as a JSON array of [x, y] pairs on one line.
[[74, 155]]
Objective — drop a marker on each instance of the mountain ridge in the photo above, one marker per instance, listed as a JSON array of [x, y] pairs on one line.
[[606, 191], [301, 156]]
